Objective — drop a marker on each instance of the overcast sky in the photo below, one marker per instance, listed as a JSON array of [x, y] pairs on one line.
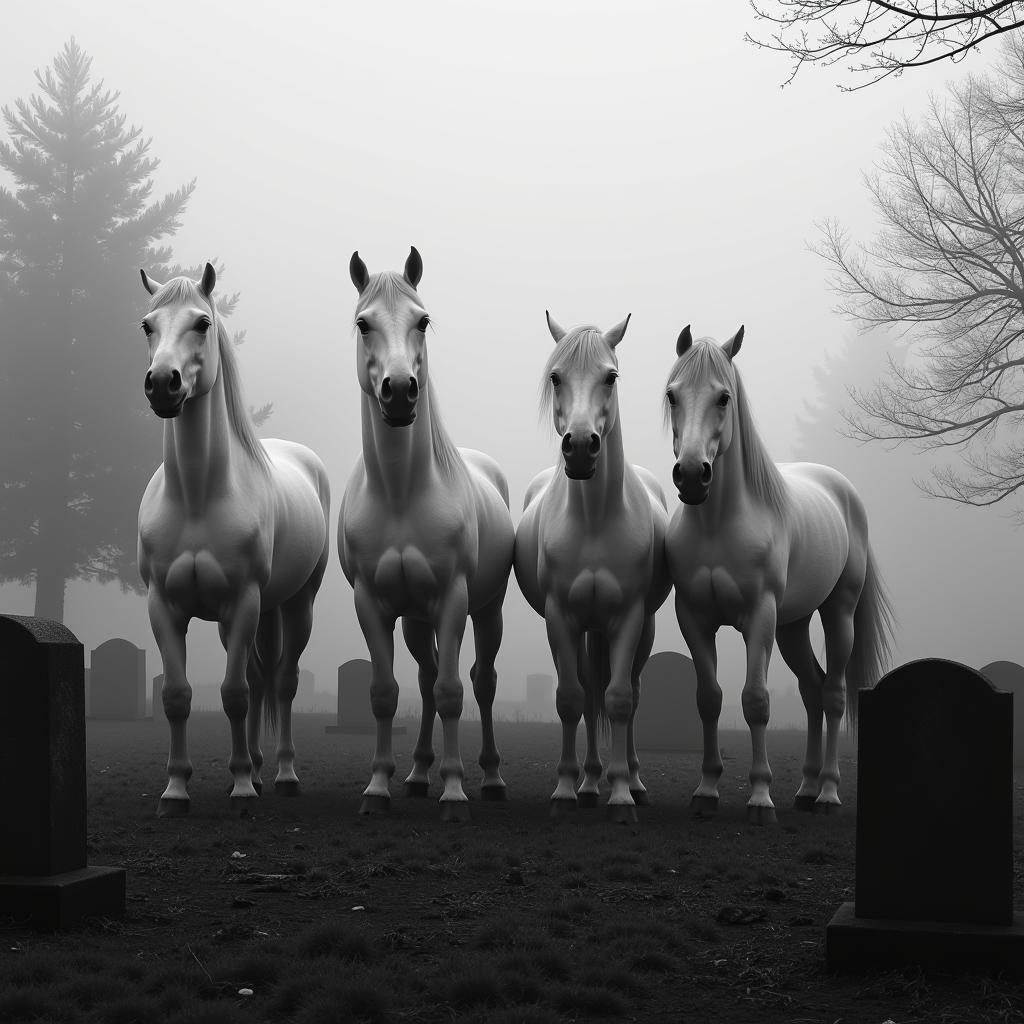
[[593, 158]]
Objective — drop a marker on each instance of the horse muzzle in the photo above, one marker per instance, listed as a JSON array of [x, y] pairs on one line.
[[397, 400], [693, 486], [579, 454], [165, 392]]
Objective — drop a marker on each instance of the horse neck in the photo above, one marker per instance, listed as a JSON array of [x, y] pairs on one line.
[[729, 487], [198, 449], [594, 499], [399, 460]]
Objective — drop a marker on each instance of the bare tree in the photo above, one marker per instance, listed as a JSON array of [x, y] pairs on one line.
[[884, 37], [948, 269]]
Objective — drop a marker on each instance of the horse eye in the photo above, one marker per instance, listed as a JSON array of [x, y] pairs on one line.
[[423, 324], [671, 397], [362, 326], [555, 379], [609, 381], [723, 401], [203, 325], [146, 329]]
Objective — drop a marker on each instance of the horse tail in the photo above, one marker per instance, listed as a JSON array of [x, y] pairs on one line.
[[595, 662], [268, 680], [873, 627]]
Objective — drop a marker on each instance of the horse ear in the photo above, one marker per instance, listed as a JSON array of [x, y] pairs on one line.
[[732, 346], [614, 334], [209, 281], [149, 284], [684, 341], [358, 272], [558, 333], [413, 267]]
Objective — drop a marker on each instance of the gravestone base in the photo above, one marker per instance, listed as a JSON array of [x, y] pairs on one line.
[[855, 944], [62, 901]]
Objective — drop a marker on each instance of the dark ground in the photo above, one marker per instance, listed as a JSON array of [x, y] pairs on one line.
[[329, 916]]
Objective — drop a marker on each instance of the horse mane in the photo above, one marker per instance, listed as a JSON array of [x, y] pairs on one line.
[[761, 474], [181, 290], [580, 347], [389, 288]]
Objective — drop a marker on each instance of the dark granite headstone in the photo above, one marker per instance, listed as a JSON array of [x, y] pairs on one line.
[[117, 681], [540, 695], [934, 854], [44, 878], [157, 699], [1006, 675], [667, 718], [354, 712]]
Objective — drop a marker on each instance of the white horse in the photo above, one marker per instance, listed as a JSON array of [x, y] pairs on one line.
[[762, 547], [425, 535], [590, 559], [233, 530]]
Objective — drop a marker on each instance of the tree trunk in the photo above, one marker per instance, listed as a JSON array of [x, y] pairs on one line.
[[50, 584]]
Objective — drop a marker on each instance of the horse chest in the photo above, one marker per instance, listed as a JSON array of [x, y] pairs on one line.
[[594, 597], [405, 580]]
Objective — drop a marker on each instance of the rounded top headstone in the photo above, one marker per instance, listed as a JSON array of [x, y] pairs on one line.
[[925, 670], [42, 631], [1003, 672], [117, 643]]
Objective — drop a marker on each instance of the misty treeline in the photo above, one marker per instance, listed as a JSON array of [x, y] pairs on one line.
[[79, 441], [947, 271]]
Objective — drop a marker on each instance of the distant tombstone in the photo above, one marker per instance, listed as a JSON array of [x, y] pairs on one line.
[[307, 682], [157, 700], [354, 713], [540, 695], [45, 880], [1006, 675], [667, 718], [117, 681], [934, 853]]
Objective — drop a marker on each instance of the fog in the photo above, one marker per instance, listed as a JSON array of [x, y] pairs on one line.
[[591, 158]]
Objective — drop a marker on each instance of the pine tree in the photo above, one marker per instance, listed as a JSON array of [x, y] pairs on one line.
[[79, 443]]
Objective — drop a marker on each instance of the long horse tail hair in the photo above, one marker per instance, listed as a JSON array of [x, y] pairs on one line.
[[595, 674], [873, 629], [261, 672]]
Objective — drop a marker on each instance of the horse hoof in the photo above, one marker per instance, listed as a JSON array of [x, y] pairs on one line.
[[455, 810], [564, 808], [758, 815], [623, 814], [494, 794], [375, 804], [417, 790], [827, 807], [704, 806], [804, 803], [286, 787], [640, 797], [241, 806], [257, 785], [586, 799], [171, 808]]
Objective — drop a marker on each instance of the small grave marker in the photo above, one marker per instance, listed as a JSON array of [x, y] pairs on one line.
[[667, 718], [1006, 675], [354, 713], [117, 677], [45, 880], [540, 696], [934, 856]]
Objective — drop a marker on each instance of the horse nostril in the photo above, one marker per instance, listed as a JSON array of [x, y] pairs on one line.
[[414, 389], [149, 383], [385, 389], [567, 444], [677, 475], [705, 473], [595, 444], [175, 385]]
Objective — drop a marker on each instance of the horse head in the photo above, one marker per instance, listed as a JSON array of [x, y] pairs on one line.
[[391, 321], [700, 407], [581, 375]]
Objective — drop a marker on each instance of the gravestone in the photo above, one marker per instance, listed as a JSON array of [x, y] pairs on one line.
[[45, 880], [157, 699], [117, 681], [354, 713], [934, 853], [540, 696], [1006, 675], [667, 717], [307, 684]]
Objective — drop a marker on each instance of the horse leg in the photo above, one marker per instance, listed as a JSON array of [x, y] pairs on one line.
[[587, 794], [419, 638], [569, 700], [487, 630], [169, 631], [240, 635], [636, 788], [296, 625], [837, 619], [794, 642], [619, 703], [448, 694], [379, 634], [700, 639], [759, 637]]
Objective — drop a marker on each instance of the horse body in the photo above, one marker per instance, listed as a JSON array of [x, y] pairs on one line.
[[425, 535], [589, 557], [761, 548], [231, 530]]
